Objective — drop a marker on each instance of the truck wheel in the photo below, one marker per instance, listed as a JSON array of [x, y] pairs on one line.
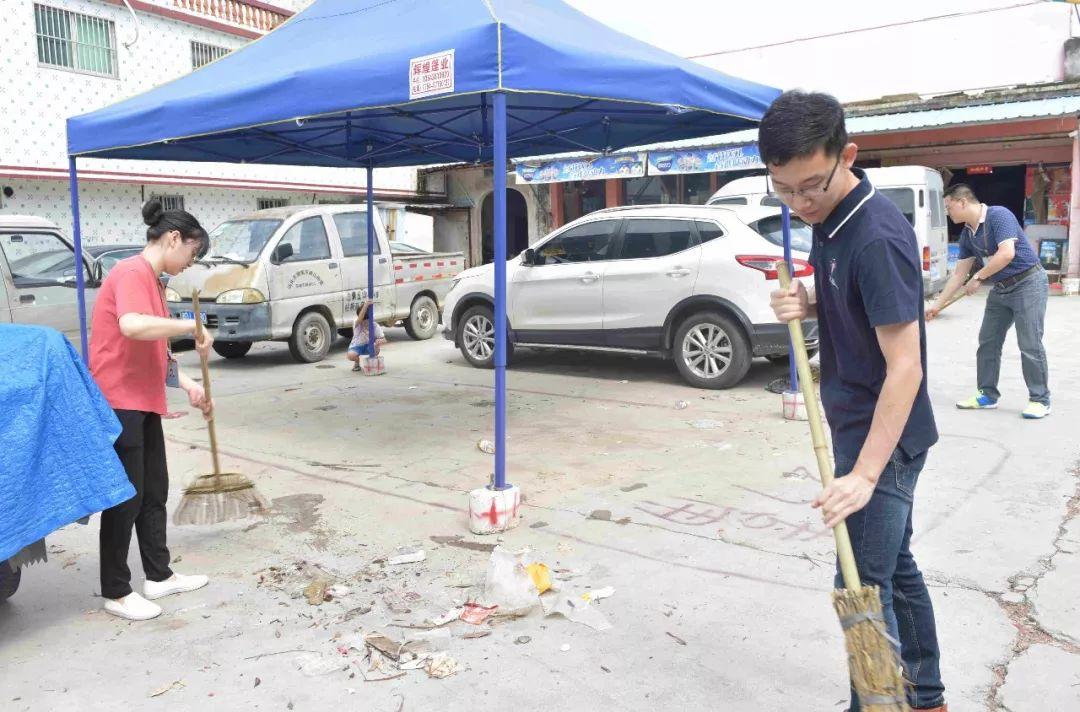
[[9, 581], [476, 337], [711, 351], [311, 337], [232, 349], [423, 321]]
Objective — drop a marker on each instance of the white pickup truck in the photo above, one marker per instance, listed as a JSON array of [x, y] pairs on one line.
[[298, 273]]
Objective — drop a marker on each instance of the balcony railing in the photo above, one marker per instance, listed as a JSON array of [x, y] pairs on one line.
[[251, 14]]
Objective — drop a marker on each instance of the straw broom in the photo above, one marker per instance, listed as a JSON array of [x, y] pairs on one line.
[[873, 662], [221, 496]]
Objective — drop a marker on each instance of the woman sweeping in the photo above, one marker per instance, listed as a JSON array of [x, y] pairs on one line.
[[131, 363]]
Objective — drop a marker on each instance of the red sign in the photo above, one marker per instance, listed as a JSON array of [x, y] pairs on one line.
[[984, 170]]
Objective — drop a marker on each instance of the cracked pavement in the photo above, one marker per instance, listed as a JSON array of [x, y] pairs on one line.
[[698, 518]]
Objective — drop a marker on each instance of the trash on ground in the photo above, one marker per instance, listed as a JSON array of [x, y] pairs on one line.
[[707, 424], [576, 610], [676, 638], [442, 665], [384, 645], [316, 664], [406, 555], [522, 640], [452, 615], [540, 575], [476, 614], [565, 647], [473, 634], [426, 642], [353, 612], [603, 515], [597, 594], [380, 668], [175, 684], [681, 405], [486, 446], [401, 601], [508, 584], [461, 543], [315, 592]]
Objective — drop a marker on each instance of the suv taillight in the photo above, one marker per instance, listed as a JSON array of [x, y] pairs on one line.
[[767, 265], [926, 259]]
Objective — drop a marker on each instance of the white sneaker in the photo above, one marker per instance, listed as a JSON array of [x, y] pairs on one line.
[[133, 607], [1035, 411], [179, 583]]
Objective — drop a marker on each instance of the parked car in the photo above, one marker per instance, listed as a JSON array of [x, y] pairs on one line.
[[298, 273], [682, 282], [37, 275], [916, 190]]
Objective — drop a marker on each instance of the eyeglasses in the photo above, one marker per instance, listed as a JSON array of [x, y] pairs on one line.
[[807, 193]]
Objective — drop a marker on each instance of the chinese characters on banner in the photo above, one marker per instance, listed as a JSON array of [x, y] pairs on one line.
[[431, 75]]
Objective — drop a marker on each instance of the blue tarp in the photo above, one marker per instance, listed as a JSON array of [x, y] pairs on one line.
[[56, 438], [345, 69]]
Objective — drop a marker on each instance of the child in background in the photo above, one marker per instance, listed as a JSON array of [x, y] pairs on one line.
[[360, 345]]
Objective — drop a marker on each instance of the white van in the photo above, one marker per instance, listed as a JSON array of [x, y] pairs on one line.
[[916, 190], [298, 273]]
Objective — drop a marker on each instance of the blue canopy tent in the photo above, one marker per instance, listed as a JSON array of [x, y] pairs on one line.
[[376, 83]]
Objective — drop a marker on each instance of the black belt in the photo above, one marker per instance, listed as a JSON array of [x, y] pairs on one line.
[[1017, 278]]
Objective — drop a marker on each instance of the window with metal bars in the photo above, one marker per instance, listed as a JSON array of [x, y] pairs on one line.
[[170, 202], [266, 203], [203, 54], [74, 41]]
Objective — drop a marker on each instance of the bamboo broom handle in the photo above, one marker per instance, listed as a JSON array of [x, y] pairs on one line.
[[817, 435], [206, 380], [953, 300]]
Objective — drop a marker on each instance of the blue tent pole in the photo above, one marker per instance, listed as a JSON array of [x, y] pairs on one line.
[[499, 173], [80, 279], [371, 256], [785, 213]]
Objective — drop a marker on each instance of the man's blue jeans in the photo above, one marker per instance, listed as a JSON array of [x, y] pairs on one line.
[[881, 537], [1023, 304]]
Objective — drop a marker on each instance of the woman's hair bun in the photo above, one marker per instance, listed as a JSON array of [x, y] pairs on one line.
[[152, 212]]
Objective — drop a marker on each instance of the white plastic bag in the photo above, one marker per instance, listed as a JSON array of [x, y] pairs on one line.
[[508, 584]]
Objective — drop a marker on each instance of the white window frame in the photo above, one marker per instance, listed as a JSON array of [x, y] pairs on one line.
[[169, 202], [268, 203], [203, 53], [52, 42]]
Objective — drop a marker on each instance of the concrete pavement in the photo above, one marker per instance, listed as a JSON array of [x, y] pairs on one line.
[[698, 518]]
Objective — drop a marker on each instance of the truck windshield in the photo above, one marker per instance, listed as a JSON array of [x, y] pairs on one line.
[[241, 240]]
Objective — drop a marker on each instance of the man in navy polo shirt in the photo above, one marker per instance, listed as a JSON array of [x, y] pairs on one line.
[[868, 301], [1020, 288]]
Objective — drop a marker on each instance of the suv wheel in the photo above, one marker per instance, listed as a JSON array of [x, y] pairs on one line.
[[476, 337], [311, 337], [711, 351]]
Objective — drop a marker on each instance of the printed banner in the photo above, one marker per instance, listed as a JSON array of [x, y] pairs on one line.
[[627, 165], [705, 160]]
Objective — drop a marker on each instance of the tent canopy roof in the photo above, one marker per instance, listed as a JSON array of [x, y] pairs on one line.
[[331, 87]]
